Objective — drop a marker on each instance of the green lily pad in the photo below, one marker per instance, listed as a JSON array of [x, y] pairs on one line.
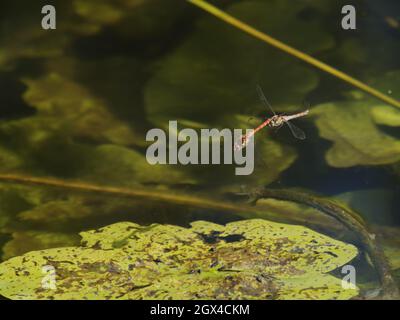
[[215, 71], [356, 138], [357, 126], [231, 285], [386, 115], [249, 259]]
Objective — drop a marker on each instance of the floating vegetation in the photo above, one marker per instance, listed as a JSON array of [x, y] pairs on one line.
[[355, 128], [342, 123], [249, 259], [77, 104]]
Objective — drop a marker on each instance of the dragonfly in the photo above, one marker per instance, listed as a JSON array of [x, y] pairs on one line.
[[276, 121]]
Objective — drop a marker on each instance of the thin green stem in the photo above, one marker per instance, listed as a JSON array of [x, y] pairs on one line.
[[293, 51]]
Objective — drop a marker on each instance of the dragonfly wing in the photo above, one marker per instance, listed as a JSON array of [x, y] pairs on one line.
[[296, 131], [264, 99]]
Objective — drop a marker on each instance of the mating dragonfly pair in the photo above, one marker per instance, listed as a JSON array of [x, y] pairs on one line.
[[276, 121]]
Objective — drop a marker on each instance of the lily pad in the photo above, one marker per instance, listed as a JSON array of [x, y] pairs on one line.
[[357, 126], [356, 138], [386, 115], [249, 259]]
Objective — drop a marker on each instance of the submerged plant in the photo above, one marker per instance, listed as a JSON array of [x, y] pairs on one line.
[[292, 51], [78, 162], [357, 128]]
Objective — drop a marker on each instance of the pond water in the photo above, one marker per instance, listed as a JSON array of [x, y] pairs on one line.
[[76, 104]]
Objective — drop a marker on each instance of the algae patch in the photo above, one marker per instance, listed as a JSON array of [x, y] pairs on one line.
[[248, 259]]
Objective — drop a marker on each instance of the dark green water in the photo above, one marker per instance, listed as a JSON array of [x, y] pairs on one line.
[[76, 103]]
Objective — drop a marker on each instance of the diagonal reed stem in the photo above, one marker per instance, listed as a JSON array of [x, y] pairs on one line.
[[292, 51], [154, 195], [346, 217]]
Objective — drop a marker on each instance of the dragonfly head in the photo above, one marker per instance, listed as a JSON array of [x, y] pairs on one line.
[[276, 121]]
